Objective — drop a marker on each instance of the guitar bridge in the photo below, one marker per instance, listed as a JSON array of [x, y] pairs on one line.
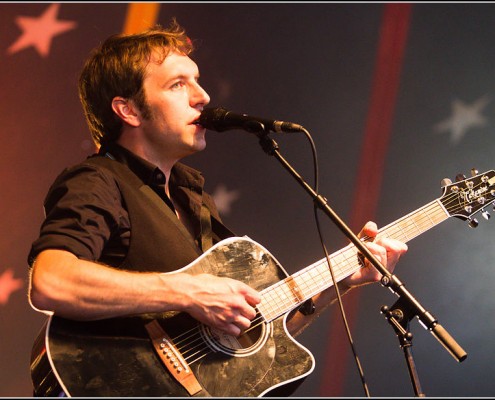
[[171, 358]]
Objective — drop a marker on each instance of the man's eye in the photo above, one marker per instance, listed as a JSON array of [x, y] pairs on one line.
[[177, 85]]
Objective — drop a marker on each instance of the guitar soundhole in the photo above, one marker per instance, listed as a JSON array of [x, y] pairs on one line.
[[242, 346]]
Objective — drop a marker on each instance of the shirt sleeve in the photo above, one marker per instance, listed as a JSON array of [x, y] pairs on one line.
[[83, 208]]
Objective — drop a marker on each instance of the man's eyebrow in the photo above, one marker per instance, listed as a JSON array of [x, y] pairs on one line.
[[183, 76]]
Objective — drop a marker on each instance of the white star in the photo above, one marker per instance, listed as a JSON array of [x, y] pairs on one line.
[[39, 31], [8, 285], [463, 118], [224, 198]]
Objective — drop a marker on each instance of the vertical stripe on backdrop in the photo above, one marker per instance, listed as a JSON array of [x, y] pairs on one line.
[[392, 40], [140, 16]]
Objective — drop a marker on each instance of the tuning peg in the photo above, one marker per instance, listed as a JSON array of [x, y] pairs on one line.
[[445, 182], [486, 214], [473, 223], [474, 172], [460, 177]]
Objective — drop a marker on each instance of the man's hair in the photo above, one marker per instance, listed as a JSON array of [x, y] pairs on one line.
[[117, 68]]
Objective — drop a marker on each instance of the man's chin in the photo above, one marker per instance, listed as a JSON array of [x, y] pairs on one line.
[[197, 146], [200, 142]]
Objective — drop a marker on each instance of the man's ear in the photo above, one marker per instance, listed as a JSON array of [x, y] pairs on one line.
[[126, 110]]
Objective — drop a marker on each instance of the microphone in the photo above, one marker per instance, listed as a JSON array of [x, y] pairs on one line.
[[219, 119]]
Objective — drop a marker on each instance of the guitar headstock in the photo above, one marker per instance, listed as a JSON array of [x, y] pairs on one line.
[[467, 196]]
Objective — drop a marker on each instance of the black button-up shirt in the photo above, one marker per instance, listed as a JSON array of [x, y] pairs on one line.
[[86, 215]]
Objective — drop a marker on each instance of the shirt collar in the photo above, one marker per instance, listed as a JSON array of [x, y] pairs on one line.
[[181, 175]]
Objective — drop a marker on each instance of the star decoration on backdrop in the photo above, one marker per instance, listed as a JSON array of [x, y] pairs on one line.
[[224, 198], [8, 285], [463, 118], [40, 31]]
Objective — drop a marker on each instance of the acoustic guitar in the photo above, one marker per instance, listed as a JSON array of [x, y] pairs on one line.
[[172, 354]]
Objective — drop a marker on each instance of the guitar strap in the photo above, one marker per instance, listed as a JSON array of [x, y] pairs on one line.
[[206, 231]]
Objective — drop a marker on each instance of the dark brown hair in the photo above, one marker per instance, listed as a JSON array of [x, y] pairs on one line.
[[117, 68]]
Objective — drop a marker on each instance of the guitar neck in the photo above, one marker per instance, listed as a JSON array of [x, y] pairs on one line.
[[285, 295]]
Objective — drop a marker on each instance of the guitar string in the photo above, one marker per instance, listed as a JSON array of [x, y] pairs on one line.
[[417, 226], [187, 343], [421, 220], [405, 233], [417, 218], [346, 258], [181, 342]]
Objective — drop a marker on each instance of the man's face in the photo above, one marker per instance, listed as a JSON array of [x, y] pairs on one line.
[[175, 100]]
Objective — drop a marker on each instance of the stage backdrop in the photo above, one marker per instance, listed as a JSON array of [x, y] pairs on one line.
[[396, 97]]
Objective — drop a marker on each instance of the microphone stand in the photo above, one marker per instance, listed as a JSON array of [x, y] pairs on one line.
[[407, 306], [399, 316]]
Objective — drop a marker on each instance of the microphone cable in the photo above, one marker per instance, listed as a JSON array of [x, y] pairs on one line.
[[330, 267]]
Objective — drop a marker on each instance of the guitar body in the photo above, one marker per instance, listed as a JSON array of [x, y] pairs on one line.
[[116, 357]]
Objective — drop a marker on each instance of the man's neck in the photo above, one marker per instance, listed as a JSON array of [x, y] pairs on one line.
[[165, 164]]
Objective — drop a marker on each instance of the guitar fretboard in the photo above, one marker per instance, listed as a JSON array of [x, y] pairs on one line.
[[285, 295]]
